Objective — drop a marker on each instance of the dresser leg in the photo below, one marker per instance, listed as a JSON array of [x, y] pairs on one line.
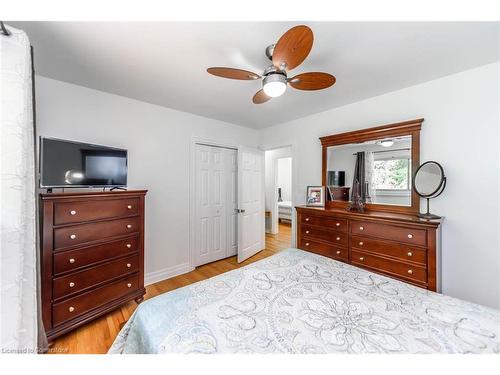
[[138, 300]]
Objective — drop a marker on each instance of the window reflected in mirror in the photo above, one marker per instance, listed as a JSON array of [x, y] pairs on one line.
[[378, 170]]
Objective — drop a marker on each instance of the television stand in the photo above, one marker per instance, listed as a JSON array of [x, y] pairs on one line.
[[117, 188]]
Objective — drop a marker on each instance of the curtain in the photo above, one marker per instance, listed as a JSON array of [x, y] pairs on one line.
[[369, 177], [358, 181], [18, 298]]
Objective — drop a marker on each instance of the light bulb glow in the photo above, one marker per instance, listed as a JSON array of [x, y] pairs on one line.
[[274, 85], [274, 89], [386, 143]]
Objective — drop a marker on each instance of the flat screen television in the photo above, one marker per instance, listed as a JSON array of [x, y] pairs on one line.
[[73, 164]]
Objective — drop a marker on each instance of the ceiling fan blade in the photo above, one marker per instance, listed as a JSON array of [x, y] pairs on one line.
[[233, 73], [312, 81], [260, 97], [293, 47]]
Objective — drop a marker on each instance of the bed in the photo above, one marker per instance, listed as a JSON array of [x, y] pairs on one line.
[[285, 211], [299, 302]]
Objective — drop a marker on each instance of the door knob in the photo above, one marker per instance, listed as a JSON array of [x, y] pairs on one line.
[[239, 210]]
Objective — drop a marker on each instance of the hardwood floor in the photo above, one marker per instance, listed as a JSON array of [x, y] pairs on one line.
[[96, 337]]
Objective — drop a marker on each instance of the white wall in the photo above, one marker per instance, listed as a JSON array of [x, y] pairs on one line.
[[284, 178], [461, 131], [158, 140], [271, 157]]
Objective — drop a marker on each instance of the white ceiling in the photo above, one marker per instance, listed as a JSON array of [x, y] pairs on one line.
[[165, 63]]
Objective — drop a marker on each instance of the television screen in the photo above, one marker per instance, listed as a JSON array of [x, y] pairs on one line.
[[73, 164]]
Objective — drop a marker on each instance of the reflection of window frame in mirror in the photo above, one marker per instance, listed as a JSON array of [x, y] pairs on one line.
[[407, 128]]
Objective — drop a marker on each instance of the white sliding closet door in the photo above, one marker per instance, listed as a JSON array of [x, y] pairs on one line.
[[251, 198], [215, 203]]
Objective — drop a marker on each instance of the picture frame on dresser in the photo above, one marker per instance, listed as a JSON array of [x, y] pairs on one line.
[[315, 196]]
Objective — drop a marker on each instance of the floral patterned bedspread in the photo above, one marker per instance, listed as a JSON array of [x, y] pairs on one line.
[[298, 302]]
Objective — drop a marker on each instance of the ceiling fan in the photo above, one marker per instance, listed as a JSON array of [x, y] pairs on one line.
[[288, 53]]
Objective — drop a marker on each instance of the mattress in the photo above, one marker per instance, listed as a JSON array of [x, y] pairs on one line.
[[299, 302], [285, 210]]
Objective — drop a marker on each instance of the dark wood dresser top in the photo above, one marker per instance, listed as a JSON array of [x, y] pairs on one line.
[[378, 215]]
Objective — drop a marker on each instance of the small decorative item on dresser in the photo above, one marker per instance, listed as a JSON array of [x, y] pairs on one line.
[[316, 196], [356, 203]]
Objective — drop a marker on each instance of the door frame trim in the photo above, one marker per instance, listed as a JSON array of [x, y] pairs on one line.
[[192, 192], [293, 149]]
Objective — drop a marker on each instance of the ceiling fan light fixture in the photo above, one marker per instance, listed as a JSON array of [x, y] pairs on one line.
[[386, 143], [274, 85]]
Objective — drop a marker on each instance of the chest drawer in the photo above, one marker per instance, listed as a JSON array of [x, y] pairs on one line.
[[74, 259], [391, 267], [76, 306], [397, 250], [75, 212], [391, 232], [82, 233], [78, 281], [324, 221], [339, 253], [334, 237]]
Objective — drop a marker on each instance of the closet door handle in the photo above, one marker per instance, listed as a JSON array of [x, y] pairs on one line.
[[239, 210]]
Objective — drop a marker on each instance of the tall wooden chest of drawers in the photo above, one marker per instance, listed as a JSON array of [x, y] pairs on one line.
[[401, 246], [92, 255]]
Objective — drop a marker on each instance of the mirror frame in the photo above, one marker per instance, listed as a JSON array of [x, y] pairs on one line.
[[379, 132], [441, 186]]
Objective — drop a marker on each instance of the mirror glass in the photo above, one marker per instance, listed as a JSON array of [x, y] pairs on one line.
[[378, 170], [428, 178]]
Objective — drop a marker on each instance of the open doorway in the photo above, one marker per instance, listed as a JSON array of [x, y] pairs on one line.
[[279, 208]]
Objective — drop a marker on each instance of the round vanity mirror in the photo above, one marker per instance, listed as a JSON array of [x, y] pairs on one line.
[[429, 182]]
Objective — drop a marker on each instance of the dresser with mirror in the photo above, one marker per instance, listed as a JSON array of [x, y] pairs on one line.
[[374, 222]]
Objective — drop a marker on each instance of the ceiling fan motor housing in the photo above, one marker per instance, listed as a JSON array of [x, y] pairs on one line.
[[274, 77]]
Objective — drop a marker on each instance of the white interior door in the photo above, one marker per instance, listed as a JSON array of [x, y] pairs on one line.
[[251, 202], [211, 204]]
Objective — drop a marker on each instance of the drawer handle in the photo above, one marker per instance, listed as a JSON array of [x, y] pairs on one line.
[[129, 206], [71, 309], [129, 285], [72, 212], [72, 260], [338, 252], [129, 245], [307, 232], [129, 226], [410, 236], [361, 258], [71, 284], [361, 228], [72, 236], [307, 243], [338, 238], [410, 254], [307, 219], [129, 265], [410, 272], [361, 243], [337, 224]]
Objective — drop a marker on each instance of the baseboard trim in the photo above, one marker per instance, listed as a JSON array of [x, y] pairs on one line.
[[167, 273]]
